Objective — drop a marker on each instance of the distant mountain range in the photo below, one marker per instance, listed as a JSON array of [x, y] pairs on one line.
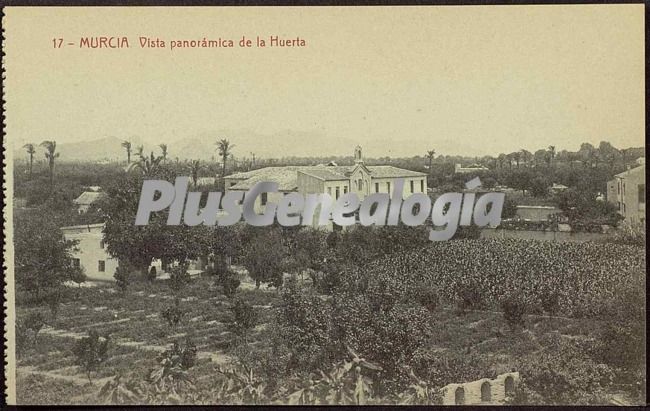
[[246, 143], [203, 147]]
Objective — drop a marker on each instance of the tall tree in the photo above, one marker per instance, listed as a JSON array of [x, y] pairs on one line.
[[43, 257], [195, 168], [140, 151], [501, 159], [127, 146], [516, 156], [147, 165], [31, 151], [526, 156], [163, 147], [551, 155], [50, 155], [224, 149], [430, 155]]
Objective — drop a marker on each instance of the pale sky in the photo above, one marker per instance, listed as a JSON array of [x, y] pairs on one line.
[[466, 80]]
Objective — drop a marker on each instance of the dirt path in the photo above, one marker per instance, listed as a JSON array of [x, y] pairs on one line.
[[78, 379], [218, 357]]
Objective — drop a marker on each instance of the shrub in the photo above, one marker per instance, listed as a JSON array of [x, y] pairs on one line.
[[630, 233], [244, 317], [179, 277], [428, 298], [550, 302], [468, 297], [562, 374], [173, 313], [228, 281], [390, 338], [91, 352], [152, 274], [27, 330], [328, 278], [53, 299], [301, 329], [170, 378], [514, 309], [122, 277], [622, 338]]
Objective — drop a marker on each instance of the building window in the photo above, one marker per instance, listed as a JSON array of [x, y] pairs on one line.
[[264, 198], [422, 186], [388, 185], [337, 192], [623, 187], [329, 190], [232, 184], [345, 189], [101, 267], [76, 263], [624, 208], [642, 193], [376, 187], [412, 189], [618, 187], [101, 244], [619, 205]]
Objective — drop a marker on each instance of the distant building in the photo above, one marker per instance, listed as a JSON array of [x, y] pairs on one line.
[[473, 168], [558, 188], [334, 180], [205, 181], [86, 199], [91, 254], [536, 213], [627, 192], [98, 264]]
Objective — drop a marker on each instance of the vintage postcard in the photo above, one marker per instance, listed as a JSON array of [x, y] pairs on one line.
[[325, 205]]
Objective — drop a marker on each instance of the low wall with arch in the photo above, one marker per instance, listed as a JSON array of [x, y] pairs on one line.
[[483, 391]]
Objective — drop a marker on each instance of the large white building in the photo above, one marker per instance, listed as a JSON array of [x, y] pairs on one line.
[[334, 180], [91, 254], [627, 192]]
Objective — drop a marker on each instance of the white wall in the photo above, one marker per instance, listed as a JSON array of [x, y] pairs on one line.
[[90, 252]]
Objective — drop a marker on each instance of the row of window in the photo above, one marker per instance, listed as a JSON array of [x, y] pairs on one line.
[[337, 190], [101, 264]]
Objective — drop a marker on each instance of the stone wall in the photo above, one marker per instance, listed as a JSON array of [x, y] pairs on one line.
[[483, 391]]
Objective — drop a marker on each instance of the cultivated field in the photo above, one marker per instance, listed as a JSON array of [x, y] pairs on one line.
[[566, 289]]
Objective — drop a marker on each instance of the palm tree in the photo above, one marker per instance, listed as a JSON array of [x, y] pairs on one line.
[[551, 152], [625, 152], [147, 165], [140, 151], [195, 168], [526, 156], [502, 158], [163, 147], [516, 156], [31, 151], [224, 149], [430, 155], [50, 155], [127, 146]]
